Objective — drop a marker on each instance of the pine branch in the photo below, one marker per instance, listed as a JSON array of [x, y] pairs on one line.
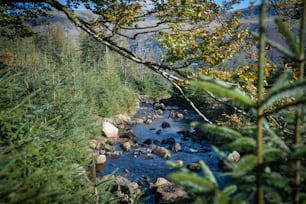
[[229, 105]]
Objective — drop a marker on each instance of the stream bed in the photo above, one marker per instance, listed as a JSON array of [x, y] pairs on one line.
[[141, 169]]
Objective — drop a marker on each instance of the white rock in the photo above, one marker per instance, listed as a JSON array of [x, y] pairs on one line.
[[126, 146], [176, 147], [109, 129], [138, 120], [179, 163], [100, 159], [148, 121], [163, 152], [179, 115], [234, 156], [159, 182]]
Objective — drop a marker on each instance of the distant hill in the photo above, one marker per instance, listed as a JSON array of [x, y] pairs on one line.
[[57, 17], [254, 11], [249, 19]]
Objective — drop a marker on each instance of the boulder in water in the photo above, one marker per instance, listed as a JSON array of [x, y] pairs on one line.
[[126, 146], [159, 106], [166, 191], [169, 140], [113, 154], [148, 156], [171, 114], [165, 124], [148, 121], [159, 182], [126, 186], [159, 112], [176, 147], [100, 159], [180, 115], [162, 152], [148, 142], [179, 163], [137, 121], [194, 167], [129, 135], [234, 156]]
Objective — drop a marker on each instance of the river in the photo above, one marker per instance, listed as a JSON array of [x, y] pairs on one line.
[[137, 167]]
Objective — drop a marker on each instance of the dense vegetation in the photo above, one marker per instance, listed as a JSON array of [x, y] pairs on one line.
[[52, 94], [267, 124], [51, 102]]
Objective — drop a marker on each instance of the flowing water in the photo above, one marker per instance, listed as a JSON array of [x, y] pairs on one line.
[[137, 167]]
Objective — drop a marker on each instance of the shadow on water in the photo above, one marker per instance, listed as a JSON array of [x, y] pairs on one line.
[[137, 167]]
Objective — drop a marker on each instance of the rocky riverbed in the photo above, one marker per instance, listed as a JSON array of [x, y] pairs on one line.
[[138, 152]]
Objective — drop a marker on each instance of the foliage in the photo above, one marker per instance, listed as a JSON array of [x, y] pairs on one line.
[[47, 119], [114, 96], [268, 144], [12, 26], [154, 86], [202, 32], [203, 189], [37, 150], [91, 52]]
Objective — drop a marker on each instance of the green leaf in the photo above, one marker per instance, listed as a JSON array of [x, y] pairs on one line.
[[246, 164], [221, 198], [188, 179], [283, 79], [172, 165], [219, 152], [275, 138], [221, 131], [271, 154], [272, 195], [207, 173], [280, 107], [299, 151], [276, 179], [201, 200], [288, 35], [223, 89], [241, 144], [229, 189], [284, 91]]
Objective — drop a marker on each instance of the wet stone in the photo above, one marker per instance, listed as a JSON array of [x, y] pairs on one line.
[[165, 125], [194, 166], [170, 140]]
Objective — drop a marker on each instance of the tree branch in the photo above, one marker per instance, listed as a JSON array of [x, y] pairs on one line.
[[163, 70]]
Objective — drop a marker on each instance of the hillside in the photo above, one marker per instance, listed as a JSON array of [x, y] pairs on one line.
[[57, 17], [148, 47], [249, 19]]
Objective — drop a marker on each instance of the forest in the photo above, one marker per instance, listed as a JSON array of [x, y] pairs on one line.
[[246, 82]]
